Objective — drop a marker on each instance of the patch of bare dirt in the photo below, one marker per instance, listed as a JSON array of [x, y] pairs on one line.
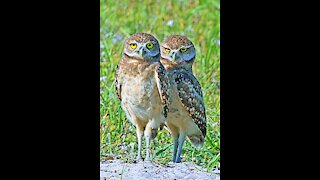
[[117, 169]]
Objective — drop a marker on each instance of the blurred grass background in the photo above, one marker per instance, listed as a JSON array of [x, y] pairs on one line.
[[199, 20]]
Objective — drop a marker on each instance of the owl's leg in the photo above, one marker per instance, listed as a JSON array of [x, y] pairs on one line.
[[150, 133], [175, 147], [148, 139], [175, 136], [181, 139], [139, 136]]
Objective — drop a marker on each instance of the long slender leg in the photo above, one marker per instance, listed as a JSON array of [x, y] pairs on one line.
[[147, 135], [180, 141], [175, 137], [150, 133], [139, 136], [175, 147], [148, 148]]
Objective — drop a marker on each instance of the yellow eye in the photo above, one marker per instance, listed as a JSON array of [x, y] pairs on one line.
[[183, 49], [133, 45], [149, 45], [167, 50]]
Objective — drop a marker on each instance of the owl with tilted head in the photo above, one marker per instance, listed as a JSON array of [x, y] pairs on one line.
[[187, 114]]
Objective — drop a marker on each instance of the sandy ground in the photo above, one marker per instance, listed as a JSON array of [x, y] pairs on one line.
[[114, 169]]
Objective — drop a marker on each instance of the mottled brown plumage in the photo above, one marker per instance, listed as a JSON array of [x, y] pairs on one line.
[[142, 86], [177, 41], [187, 114]]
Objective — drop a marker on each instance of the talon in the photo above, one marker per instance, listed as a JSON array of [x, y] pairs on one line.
[[178, 160]]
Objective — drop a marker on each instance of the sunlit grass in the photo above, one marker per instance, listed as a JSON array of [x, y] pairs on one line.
[[200, 22]]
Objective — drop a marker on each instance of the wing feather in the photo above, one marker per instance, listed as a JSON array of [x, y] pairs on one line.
[[190, 94], [163, 87], [117, 83]]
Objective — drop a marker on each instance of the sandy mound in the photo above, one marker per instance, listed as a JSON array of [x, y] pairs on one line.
[[114, 169]]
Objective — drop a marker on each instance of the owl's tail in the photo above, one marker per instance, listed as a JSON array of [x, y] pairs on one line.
[[197, 140]]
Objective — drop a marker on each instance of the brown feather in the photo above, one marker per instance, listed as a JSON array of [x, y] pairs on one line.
[[163, 87], [190, 94], [117, 84]]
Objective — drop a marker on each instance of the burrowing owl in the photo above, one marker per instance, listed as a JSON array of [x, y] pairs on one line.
[[187, 114], [142, 86]]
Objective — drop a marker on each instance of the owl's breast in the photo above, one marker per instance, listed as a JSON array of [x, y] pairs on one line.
[[140, 95], [139, 88]]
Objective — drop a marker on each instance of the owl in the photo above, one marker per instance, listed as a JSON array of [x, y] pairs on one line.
[[142, 86], [187, 113]]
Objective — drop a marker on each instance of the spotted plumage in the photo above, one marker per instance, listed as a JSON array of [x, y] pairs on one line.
[[117, 84], [163, 87], [187, 114], [142, 86], [190, 94]]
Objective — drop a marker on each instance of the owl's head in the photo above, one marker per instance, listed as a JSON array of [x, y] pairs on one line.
[[142, 46], [178, 49]]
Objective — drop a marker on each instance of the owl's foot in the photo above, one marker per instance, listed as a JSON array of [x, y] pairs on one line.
[[148, 155], [180, 142], [139, 158], [178, 160]]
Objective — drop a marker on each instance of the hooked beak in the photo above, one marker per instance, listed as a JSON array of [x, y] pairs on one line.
[[173, 55], [142, 51]]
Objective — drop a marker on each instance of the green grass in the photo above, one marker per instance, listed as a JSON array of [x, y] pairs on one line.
[[200, 22]]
